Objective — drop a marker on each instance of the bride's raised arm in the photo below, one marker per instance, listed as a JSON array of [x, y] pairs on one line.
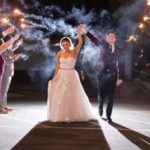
[[80, 41]]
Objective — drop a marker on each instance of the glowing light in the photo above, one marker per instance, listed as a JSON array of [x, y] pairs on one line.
[[136, 64], [148, 2], [23, 25], [5, 20], [145, 18], [17, 12], [141, 26], [22, 20]]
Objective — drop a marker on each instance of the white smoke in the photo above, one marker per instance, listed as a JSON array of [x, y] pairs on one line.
[[45, 29]]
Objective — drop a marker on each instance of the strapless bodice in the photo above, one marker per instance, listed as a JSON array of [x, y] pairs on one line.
[[67, 63]]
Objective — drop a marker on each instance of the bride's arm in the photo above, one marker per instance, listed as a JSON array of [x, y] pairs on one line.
[[80, 42], [57, 64]]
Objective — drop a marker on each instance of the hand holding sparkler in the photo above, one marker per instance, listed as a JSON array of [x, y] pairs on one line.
[[9, 31], [16, 56], [15, 38], [8, 44]]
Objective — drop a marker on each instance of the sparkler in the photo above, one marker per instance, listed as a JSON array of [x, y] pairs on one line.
[[141, 26], [22, 20], [148, 2], [5, 21], [23, 25], [146, 18], [17, 12]]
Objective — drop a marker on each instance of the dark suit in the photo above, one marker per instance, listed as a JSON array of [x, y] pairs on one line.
[[109, 68]]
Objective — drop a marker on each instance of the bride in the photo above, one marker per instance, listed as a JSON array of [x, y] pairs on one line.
[[67, 100]]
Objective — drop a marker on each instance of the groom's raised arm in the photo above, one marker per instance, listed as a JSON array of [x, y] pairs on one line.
[[83, 29], [93, 39]]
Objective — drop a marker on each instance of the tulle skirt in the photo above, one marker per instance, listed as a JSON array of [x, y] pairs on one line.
[[67, 100]]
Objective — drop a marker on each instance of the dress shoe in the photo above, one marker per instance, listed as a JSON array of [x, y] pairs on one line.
[[3, 111], [109, 120], [8, 108]]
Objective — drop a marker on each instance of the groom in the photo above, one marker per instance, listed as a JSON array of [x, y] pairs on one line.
[[109, 69]]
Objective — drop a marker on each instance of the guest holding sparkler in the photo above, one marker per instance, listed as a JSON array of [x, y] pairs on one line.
[[5, 44]]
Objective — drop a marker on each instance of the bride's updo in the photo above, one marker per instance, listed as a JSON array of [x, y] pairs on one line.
[[66, 39]]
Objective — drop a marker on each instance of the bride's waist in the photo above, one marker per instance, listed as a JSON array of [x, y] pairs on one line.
[[67, 69]]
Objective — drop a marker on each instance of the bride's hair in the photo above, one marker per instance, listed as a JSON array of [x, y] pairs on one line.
[[67, 39]]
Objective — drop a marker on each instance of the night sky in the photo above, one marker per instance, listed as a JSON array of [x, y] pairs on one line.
[[49, 20], [111, 5]]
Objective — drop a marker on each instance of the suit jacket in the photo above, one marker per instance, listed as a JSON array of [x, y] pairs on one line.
[[108, 62]]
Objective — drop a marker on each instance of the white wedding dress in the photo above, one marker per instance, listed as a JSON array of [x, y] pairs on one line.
[[67, 100]]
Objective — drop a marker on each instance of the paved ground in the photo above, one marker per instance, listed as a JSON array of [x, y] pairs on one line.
[[26, 127]]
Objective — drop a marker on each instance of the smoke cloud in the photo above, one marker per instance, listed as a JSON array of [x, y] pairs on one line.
[[48, 24]]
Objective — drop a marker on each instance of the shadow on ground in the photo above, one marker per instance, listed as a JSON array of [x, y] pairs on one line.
[[64, 136], [140, 140]]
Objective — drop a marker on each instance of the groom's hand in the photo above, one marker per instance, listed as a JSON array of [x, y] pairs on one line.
[[119, 82]]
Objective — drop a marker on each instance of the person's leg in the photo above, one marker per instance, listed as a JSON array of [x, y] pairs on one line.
[[101, 94], [6, 80], [110, 95], [102, 100], [109, 107], [7, 86], [2, 110]]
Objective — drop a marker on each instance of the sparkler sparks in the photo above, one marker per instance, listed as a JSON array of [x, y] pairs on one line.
[[23, 25], [17, 12], [148, 2], [146, 18], [22, 20], [141, 26], [5, 21]]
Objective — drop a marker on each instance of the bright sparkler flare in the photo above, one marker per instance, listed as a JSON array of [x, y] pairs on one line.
[[141, 26], [145, 18], [148, 2], [23, 25], [5, 21], [17, 11], [22, 20]]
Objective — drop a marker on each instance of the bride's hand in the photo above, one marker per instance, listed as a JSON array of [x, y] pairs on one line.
[[79, 31], [83, 28]]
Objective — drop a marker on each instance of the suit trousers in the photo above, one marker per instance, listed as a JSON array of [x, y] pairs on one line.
[[106, 90], [6, 81]]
